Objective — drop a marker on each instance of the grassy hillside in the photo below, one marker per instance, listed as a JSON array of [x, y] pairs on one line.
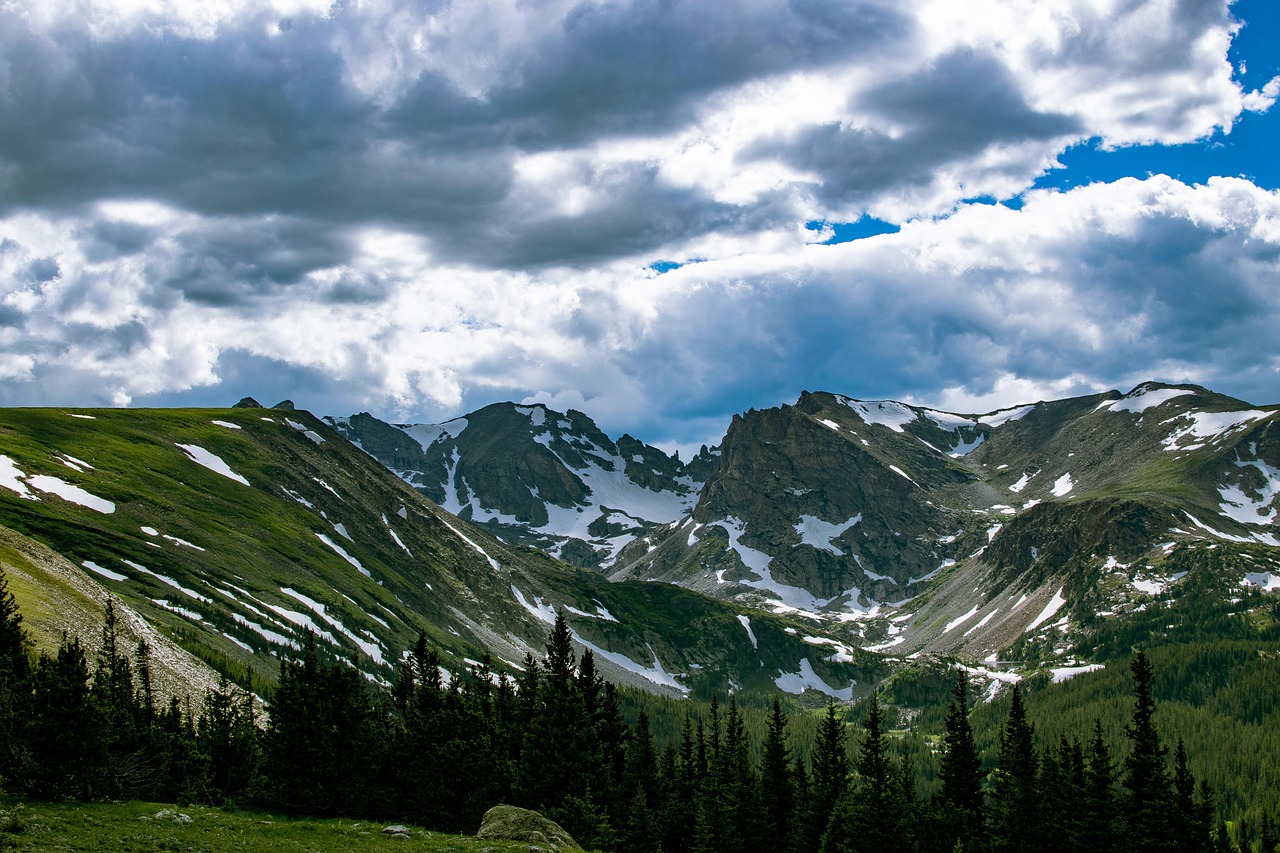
[[141, 827]]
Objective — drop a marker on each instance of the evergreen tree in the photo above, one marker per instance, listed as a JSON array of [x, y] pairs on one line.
[[960, 771], [227, 735], [1149, 802], [559, 748], [777, 786], [867, 818], [1015, 812], [1188, 835], [830, 779], [1097, 820], [15, 690], [126, 769], [318, 752], [68, 742]]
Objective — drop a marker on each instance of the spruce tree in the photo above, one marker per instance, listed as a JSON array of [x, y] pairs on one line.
[[1097, 821], [777, 786], [1148, 807], [1015, 811], [68, 737], [15, 690], [557, 759], [960, 770], [830, 779], [867, 817]]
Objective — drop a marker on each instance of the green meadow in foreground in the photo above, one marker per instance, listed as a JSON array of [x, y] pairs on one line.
[[135, 827]]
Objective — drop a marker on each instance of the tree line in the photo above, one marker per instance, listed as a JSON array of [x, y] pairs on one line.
[[439, 751]]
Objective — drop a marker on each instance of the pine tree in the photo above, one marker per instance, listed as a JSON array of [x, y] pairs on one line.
[[15, 690], [68, 739], [1097, 829], [319, 755], [1188, 836], [1149, 802], [777, 786], [960, 770], [1015, 812], [830, 779], [556, 759], [867, 818]]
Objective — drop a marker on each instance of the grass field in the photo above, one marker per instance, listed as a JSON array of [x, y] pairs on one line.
[[136, 828]]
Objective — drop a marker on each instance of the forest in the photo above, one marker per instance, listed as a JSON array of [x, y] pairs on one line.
[[84, 724]]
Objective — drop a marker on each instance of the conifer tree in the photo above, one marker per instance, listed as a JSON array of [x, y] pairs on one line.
[[1149, 802], [15, 690], [777, 786], [1015, 811], [1097, 830], [866, 817], [559, 747], [68, 743], [960, 770], [1188, 835], [830, 779]]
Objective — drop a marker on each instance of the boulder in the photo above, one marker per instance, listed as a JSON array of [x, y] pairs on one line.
[[512, 823]]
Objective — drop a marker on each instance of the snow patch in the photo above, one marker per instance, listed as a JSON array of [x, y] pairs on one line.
[[984, 621], [492, 562], [1063, 673], [820, 534], [1266, 581], [168, 580], [211, 461], [1245, 508], [1206, 426], [1143, 398], [746, 623], [184, 543], [372, 650], [226, 424], [77, 465], [1063, 485], [106, 573], [1022, 483], [68, 492], [11, 479], [337, 549], [1054, 605], [181, 611], [955, 622], [542, 612], [883, 412], [797, 683]]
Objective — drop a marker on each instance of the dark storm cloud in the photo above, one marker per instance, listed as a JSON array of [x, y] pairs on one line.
[[253, 122], [643, 66], [963, 104]]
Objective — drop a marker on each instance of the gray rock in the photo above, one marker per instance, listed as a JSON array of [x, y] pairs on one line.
[[516, 824]]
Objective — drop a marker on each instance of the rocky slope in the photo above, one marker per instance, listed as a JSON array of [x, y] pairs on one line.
[[881, 525], [535, 477], [232, 533]]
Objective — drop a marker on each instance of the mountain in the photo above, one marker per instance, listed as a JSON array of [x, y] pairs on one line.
[[230, 534], [539, 478], [889, 527]]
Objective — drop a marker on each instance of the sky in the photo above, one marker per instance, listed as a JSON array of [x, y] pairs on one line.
[[658, 212]]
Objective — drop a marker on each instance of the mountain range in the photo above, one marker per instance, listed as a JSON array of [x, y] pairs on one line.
[[819, 549]]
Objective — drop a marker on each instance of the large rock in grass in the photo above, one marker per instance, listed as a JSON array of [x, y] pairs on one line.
[[512, 823]]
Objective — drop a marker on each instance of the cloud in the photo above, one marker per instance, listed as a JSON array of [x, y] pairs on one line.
[[422, 208], [1121, 281]]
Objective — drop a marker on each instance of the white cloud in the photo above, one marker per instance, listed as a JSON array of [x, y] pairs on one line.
[[425, 206]]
